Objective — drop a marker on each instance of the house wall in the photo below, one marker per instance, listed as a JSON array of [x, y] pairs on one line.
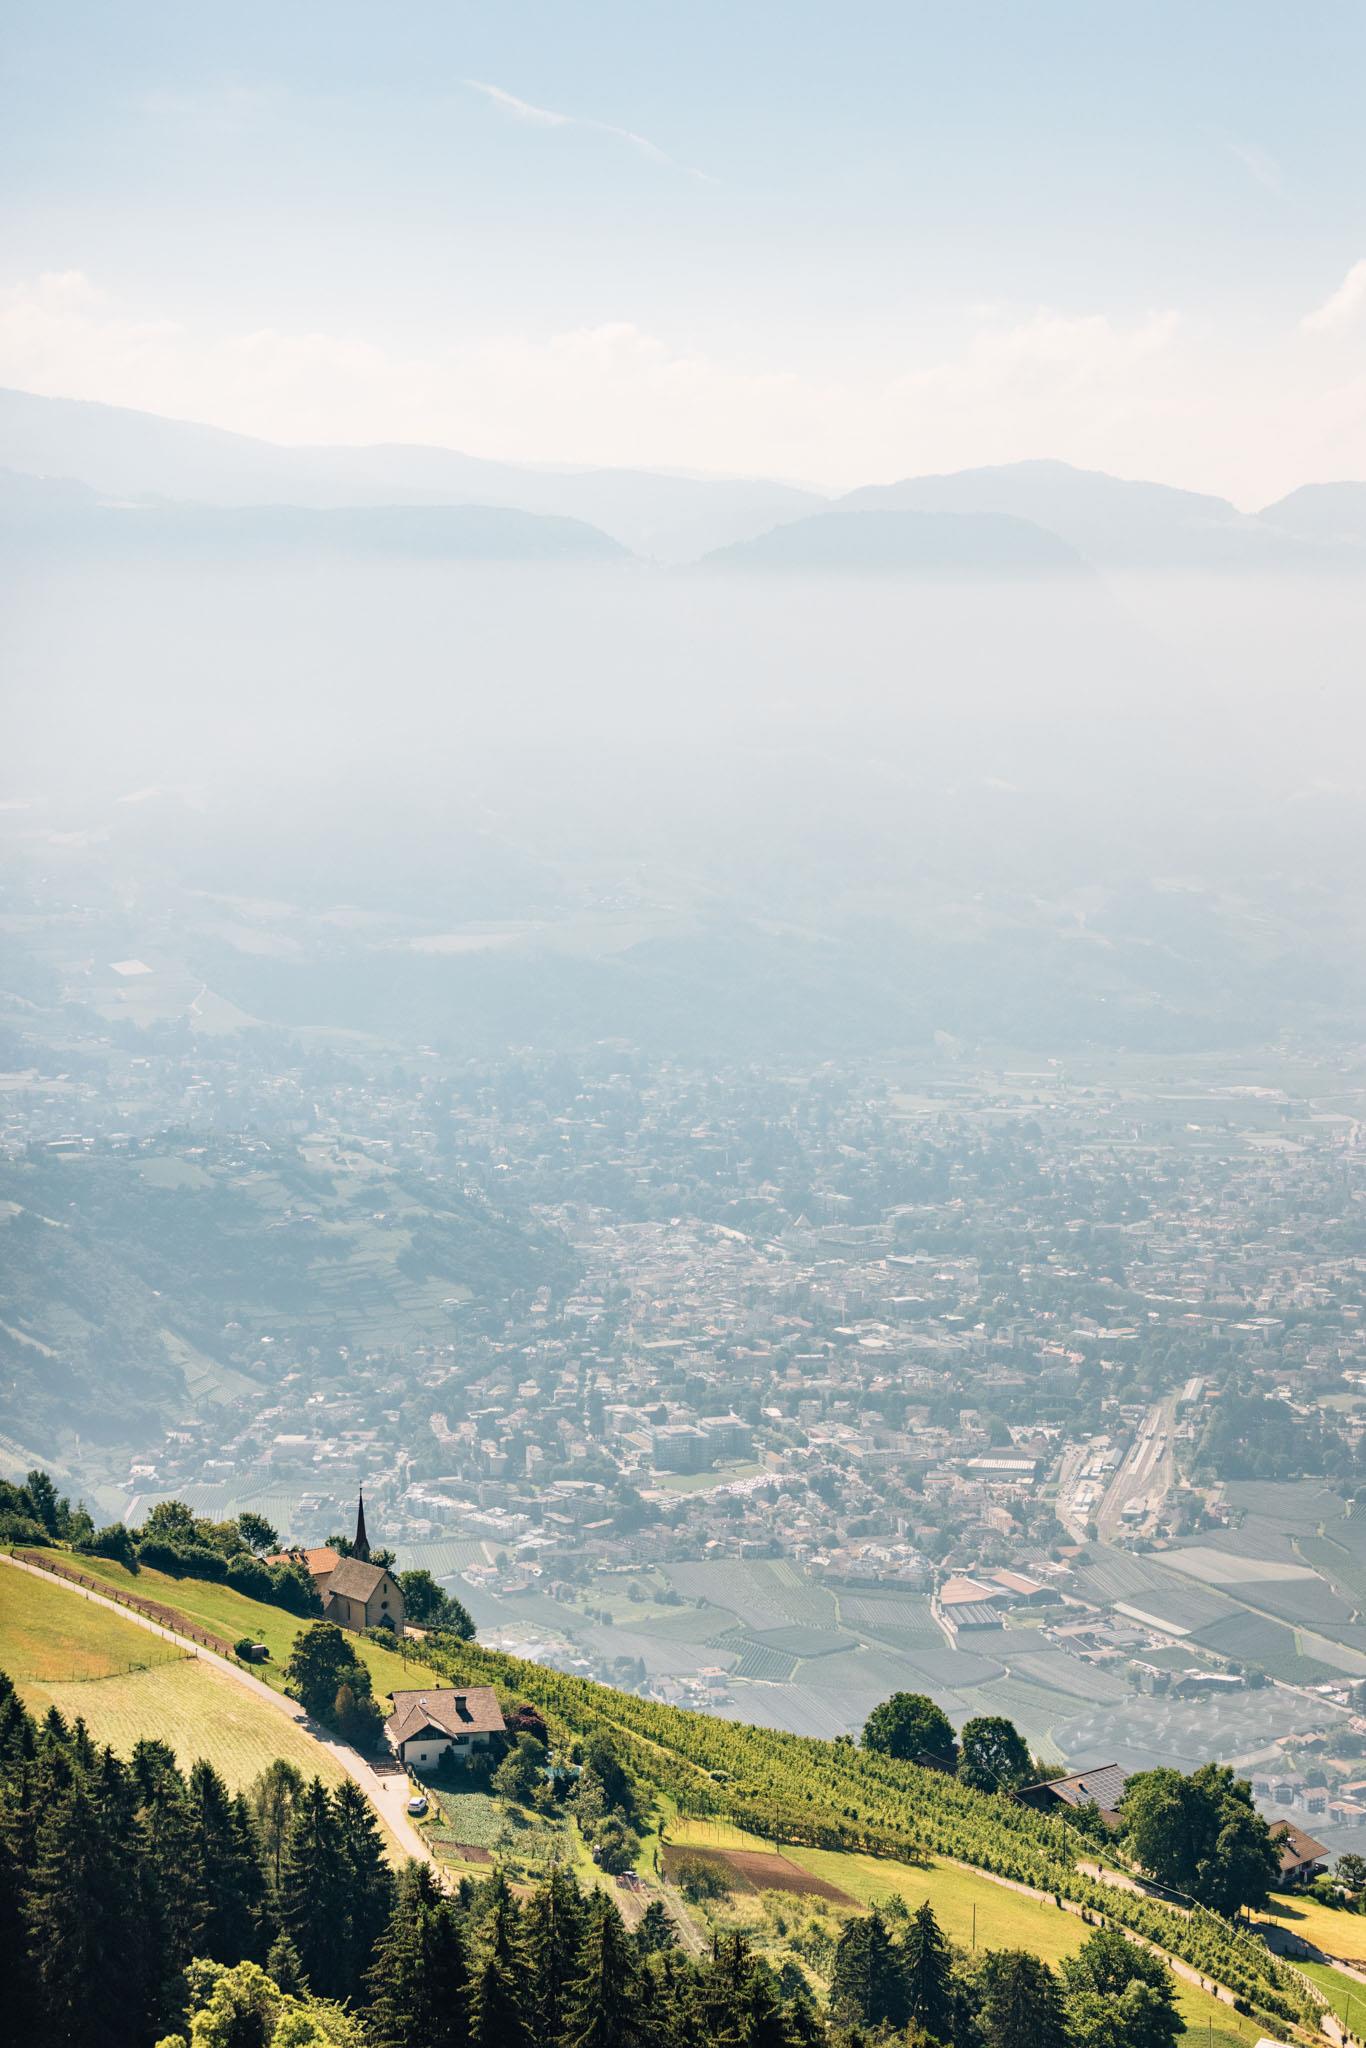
[[424, 1753]]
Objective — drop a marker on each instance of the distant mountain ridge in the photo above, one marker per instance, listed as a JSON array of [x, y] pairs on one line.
[[877, 540], [1323, 512], [1110, 521], [47, 512], [130, 455], [1037, 516]]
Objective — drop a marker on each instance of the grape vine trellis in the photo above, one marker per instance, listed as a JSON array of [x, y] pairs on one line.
[[831, 1795]]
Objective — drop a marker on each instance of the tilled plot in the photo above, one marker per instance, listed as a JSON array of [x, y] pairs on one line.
[[759, 1870]]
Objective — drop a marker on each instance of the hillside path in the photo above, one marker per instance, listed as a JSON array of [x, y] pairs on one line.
[[387, 1791]]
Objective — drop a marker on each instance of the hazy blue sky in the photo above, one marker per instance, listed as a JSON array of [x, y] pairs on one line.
[[831, 242]]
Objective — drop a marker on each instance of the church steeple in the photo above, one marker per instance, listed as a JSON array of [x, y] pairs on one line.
[[361, 1547]]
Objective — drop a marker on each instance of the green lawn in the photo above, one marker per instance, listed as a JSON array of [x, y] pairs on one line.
[[698, 1482], [39, 1641], [1343, 1993], [232, 1615]]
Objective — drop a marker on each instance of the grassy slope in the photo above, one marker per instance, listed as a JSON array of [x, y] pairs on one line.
[[37, 1640], [1346, 1995], [1336, 1933], [199, 1711], [232, 1615]]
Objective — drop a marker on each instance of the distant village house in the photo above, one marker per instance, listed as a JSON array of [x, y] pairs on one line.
[[426, 1727]]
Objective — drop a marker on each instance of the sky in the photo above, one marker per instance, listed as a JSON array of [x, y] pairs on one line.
[[836, 244]]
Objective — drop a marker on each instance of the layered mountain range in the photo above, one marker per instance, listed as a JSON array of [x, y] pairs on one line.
[[77, 472]]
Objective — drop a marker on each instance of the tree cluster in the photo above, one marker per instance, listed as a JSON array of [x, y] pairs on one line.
[[990, 1754], [1111, 1994], [1201, 1835], [116, 1876], [333, 1684]]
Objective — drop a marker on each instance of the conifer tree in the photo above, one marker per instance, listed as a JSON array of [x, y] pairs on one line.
[[419, 1978], [499, 2007], [312, 1903], [226, 1878], [601, 2008], [654, 1931], [83, 1932], [927, 1974], [866, 1985], [283, 1966], [552, 1929], [368, 1885], [1022, 2003]]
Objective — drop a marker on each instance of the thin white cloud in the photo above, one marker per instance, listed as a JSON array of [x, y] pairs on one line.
[[546, 117], [1259, 164], [1343, 307]]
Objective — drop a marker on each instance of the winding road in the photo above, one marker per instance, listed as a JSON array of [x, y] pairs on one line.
[[387, 1791]]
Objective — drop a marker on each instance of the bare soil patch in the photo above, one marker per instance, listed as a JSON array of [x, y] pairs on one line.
[[758, 1870]]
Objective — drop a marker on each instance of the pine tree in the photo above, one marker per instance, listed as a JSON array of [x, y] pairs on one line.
[[866, 1985], [368, 1885], [1022, 2006], [226, 1878], [419, 1979], [601, 2007], [312, 1903], [271, 1798], [655, 1930], [499, 2013], [552, 1928], [81, 1915], [927, 1973], [283, 1966]]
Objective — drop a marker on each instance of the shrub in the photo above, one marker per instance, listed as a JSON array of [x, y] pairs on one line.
[[698, 1878]]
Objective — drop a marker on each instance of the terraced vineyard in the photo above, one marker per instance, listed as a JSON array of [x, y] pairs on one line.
[[794, 1793]]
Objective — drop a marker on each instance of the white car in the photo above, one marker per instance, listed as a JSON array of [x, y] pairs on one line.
[[417, 1805]]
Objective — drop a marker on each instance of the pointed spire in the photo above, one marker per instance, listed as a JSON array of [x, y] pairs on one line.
[[361, 1547]]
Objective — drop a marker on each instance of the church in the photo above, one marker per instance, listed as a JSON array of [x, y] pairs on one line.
[[355, 1593]]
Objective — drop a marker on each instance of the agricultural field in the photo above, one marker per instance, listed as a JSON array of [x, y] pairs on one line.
[[1257, 1639], [198, 1710], [755, 1870], [473, 1828], [762, 1593], [125, 1683]]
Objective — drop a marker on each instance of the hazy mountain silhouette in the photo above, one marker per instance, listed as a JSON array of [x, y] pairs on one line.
[[1108, 520], [906, 542], [1322, 512], [137, 455]]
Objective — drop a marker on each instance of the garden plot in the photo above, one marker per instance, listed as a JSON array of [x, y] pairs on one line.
[[756, 1870]]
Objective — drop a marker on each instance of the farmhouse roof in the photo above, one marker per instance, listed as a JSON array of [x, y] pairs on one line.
[[1103, 1787], [965, 1592], [1295, 1847], [474, 1711]]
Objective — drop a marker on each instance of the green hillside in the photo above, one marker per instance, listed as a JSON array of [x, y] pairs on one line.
[[126, 1685], [135, 1281], [865, 1827]]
